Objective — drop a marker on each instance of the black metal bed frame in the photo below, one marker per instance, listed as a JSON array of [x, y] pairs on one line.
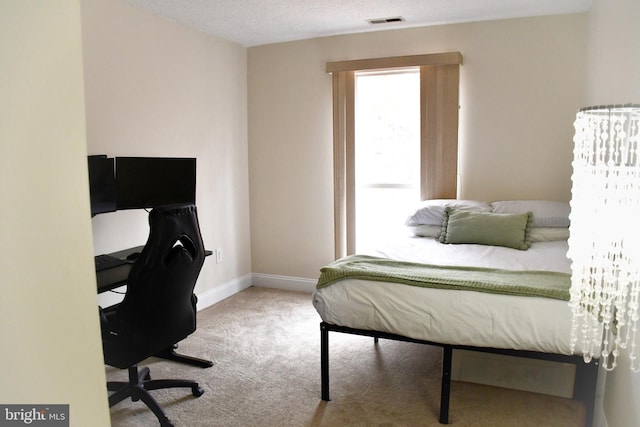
[[584, 388]]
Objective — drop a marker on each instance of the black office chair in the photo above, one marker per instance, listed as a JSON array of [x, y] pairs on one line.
[[159, 307]]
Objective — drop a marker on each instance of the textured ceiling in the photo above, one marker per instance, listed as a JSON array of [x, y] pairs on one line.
[[258, 22]]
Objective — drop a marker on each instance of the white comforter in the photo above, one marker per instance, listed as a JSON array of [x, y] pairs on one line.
[[456, 317]]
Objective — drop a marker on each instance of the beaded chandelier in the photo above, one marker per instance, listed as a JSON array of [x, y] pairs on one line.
[[604, 243]]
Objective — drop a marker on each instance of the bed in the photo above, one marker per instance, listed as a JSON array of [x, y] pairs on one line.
[[490, 277]]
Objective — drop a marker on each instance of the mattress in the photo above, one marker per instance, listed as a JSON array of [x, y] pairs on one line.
[[456, 317]]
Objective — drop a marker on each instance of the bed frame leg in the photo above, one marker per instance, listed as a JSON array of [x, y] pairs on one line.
[[584, 387], [324, 361], [445, 391]]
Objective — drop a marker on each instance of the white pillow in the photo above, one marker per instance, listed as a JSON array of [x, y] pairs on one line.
[[423, 230], [546, 213], [430, 212]]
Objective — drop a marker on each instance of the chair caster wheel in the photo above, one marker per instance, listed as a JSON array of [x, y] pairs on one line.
[[197, 391]]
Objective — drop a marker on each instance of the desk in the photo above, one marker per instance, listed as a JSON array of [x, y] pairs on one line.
[[112, 278], [115, 277]]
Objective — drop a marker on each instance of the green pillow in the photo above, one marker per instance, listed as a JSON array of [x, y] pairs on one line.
[[486, 228]]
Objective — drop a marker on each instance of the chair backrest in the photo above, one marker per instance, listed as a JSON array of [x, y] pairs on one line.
[[159, 308]]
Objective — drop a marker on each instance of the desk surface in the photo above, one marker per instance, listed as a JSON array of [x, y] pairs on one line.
[[112, 278], [115, 277]]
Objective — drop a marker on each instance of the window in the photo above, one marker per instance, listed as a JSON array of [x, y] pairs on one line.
[[439, 76], [387, 152]]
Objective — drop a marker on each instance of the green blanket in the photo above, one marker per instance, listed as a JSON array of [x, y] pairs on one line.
[[509, 282]]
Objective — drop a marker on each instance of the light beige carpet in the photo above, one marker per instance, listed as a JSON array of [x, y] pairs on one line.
[[265, 344]]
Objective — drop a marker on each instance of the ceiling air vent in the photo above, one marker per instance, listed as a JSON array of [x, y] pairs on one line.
[[385, 20]]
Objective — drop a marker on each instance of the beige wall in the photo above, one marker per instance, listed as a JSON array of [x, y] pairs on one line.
[[155, 88], [51, 349], [521, 83], [614, 78], [613, 68]]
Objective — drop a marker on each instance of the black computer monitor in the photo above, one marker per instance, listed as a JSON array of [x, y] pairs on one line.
[[102, 184], [148, 182]]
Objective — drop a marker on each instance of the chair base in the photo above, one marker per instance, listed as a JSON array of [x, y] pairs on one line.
[[138, 387], [171, 354]]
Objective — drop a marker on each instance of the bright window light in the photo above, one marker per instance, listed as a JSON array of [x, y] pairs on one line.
[[387, 153]]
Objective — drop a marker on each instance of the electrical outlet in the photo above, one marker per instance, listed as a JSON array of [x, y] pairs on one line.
[[218, 256]]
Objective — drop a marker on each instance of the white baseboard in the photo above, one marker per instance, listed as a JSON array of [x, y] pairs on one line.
[[602, 421], [286, 283], [224, 291], [599, 417]]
